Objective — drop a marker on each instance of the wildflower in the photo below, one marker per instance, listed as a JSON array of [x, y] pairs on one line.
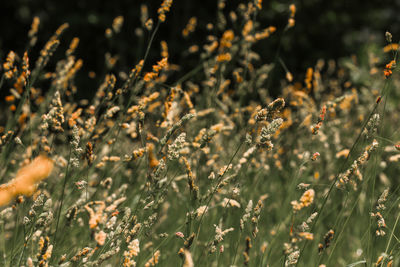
[[115, 248], [138, 153], [230, 202], [83, 252], [144, 14], [259, 4], [226, 40], [159, 168], [149, 24], [381, 223], [305, 225], [8, 66], [18, 141], [219, 237], [271, 110], [133, 251], [165, 7], [162, 64], [46, 217], [62, 259], [154, 259], [45, 251], [153, 162], [247, 28], [194, 189], [176, 147], [188, 260], [292, 9], [315, 156], [246, 253], [343, 153], [10, 98], [164, 49], [110, 60], [211, 176], [26, 179], [112, 111], [224, 57], [291, 20], [327, 241], [73, 45], [308, 79], [321, 119], [256, 216], [372, 126], [201, 210], [306, 235], [6, 214], [33, 31], [306, 200], [115, 204], [224, 170], [175, 126], [76, 150], [96, 216], [344, 178], [89, 153], [25, 65], [74, 117], [390, 47], [289, 76], [133, 74], [193, 49], [246, 215], [4, 139], [388, 68], [135, 229], [207, 136], [108, 33], [190, 27], [180, 234], [48, 51], [246, 155], [117, 24], [100, 238], [292, 258], [381, 258], [266, 133], [55, 117], [265, 33], [388, 36], [211, 47]]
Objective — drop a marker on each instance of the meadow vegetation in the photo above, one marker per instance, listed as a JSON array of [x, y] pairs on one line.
[[205, 169]]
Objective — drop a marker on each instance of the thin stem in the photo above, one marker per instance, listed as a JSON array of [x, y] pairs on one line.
[[62, 196]]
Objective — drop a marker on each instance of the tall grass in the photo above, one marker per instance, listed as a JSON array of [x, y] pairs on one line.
[[204, 169]]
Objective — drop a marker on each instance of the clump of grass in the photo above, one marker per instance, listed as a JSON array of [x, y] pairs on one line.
[[202, 170]]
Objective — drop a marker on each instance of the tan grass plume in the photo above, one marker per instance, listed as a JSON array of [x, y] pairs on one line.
[[26, 179]]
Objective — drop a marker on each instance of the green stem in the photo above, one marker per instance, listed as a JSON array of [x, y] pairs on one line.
[[391, 236], [62, 196]]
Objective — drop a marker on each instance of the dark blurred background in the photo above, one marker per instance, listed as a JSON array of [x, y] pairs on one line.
[[324, 29]]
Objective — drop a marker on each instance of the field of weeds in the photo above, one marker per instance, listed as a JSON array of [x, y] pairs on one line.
[[208, 168]]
